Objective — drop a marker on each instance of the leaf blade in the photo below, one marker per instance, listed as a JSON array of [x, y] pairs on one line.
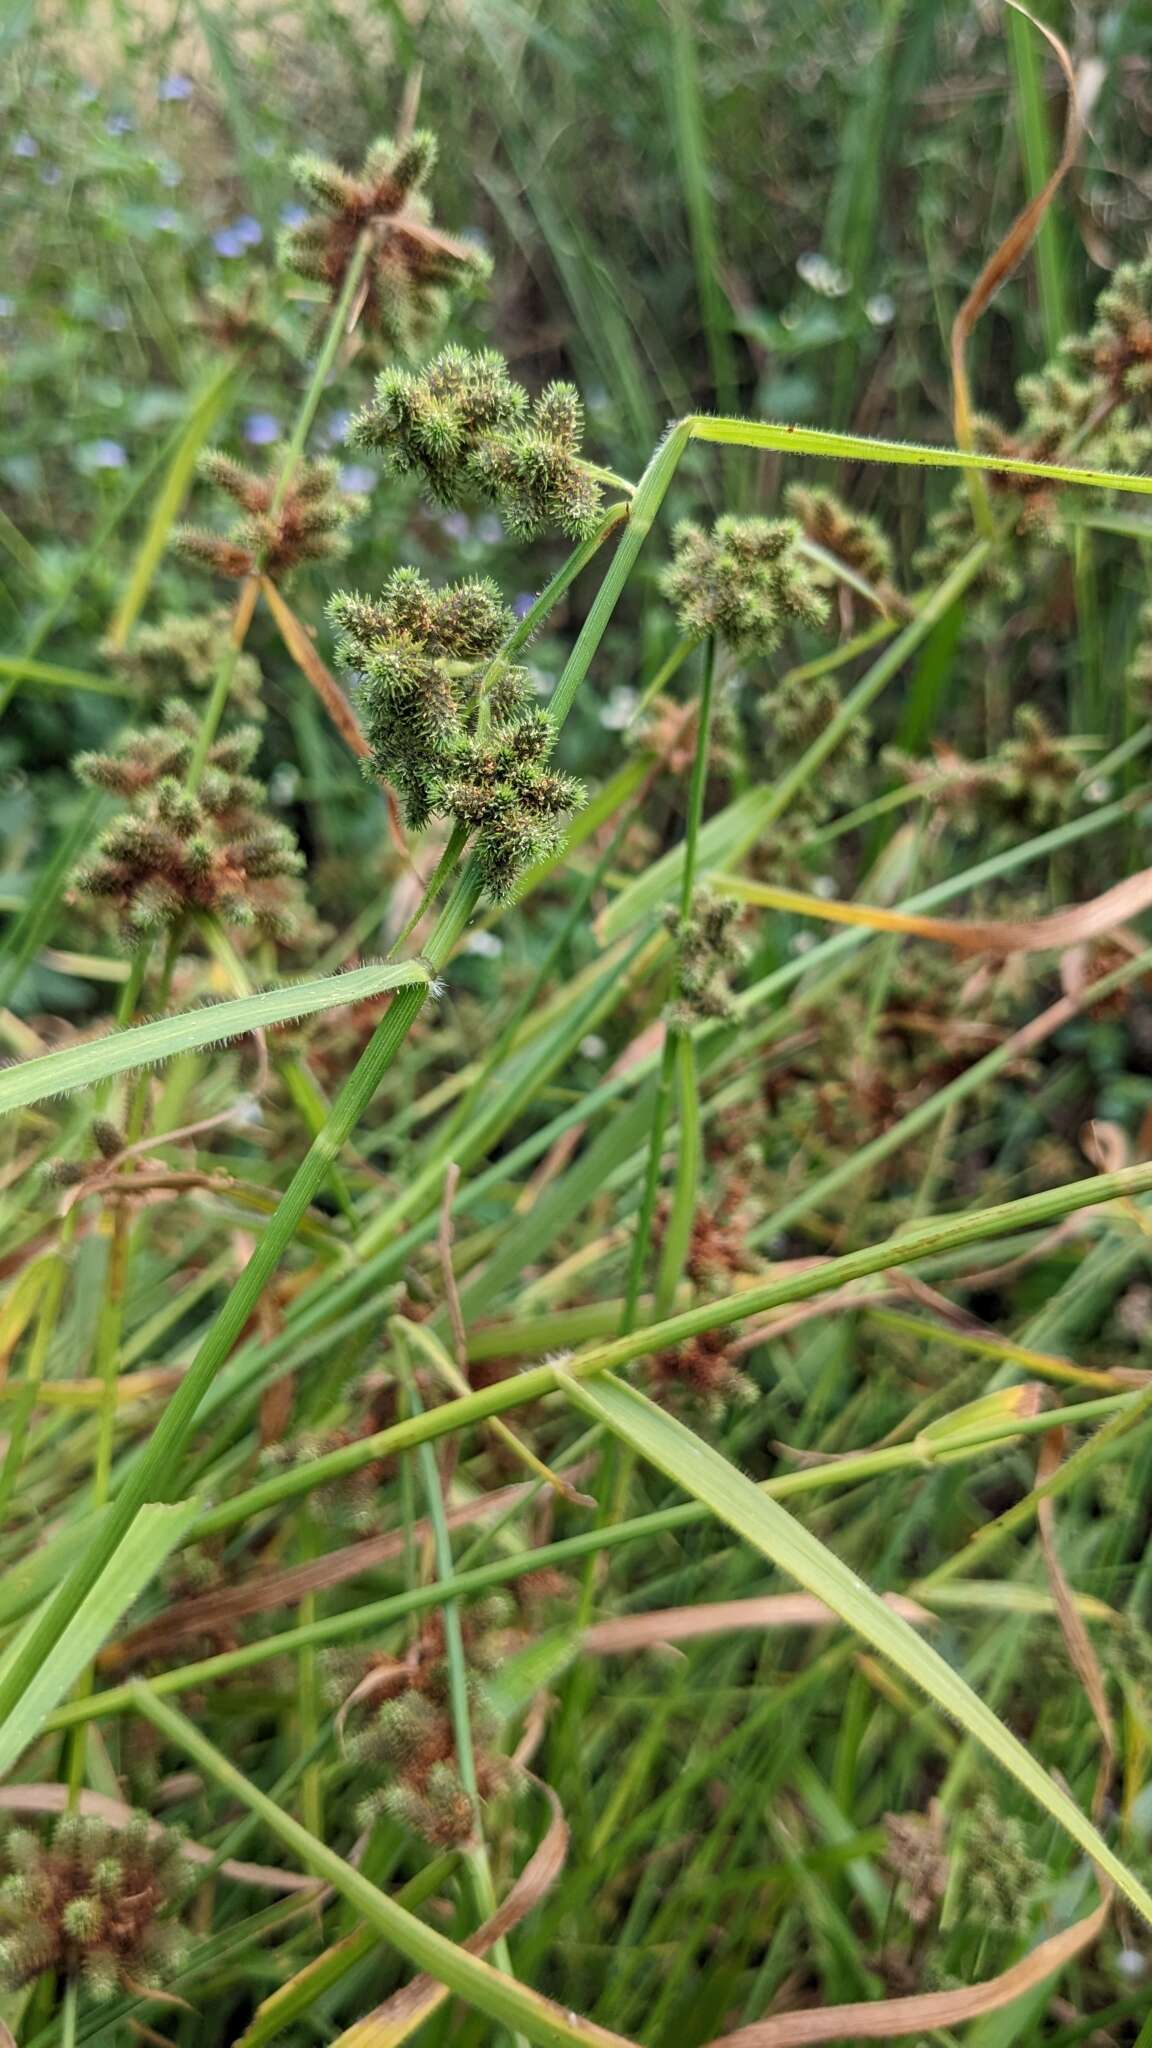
[[708, 1477]]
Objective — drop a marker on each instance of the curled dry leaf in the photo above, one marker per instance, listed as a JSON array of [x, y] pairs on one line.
[[889, 2019], [1060, 930], [1016, 243]]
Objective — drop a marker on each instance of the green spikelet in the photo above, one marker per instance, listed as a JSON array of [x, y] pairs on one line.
[[744, 581], [474, 435]]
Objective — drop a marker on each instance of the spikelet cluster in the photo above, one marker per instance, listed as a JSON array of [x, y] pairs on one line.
[[702, 1375], [854, 539], [475, 436], [309, 525], [744, 581], [412, 266], [1117, 350], [916, 1853], [790, 716], [453, 730], [355, 1502], [1029, 782], [184, 652], [707, 952], [1090, 405], [90, 1903], [411, 1735], [170, 852], [999, 1877]]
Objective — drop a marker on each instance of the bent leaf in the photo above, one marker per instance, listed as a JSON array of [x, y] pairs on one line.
[[79, 1066], [701, 1472]]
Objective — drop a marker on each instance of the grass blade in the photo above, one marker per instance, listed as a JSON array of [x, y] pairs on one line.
[[155, 1532], [706, 1476], [145, 1045]]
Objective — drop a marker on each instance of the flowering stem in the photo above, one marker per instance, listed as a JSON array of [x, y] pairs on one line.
[[221, 687], [338, 326], [250, 588]]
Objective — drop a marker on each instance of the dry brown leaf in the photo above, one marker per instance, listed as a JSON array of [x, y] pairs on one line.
[[1016, 243], [888, 2019], [97, 1806], [285, 1588], [1060, 930], [299, 644], [717, 1617]]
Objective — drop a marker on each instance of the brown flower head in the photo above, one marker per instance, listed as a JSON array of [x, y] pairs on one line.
[[90, 1904], [307, 524], [171, 852], [412, 266]]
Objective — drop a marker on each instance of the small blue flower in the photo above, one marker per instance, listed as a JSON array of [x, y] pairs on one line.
[[50, 175], [114, 318], [174, 87], [356, 476], [293, 216], [457, 526], [227, 242], [25, 145], [523, 604], [167, 220], [119, 124], [86, 92], [170, 174], [261, 429], [102, 455], [249, 230], [333, 429], [489, 530]]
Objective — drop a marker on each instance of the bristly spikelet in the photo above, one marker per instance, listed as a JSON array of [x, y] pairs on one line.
[[1117, 350], [412, 267], [707, 950], [309, 525], [421, 657], [411, 1734], [475, 436], [183, 653], [91, 1904], [170, 853], [744, 581], [999, 1876], [791, 715], [854, 539]]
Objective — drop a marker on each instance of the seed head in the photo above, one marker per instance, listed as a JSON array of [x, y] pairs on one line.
[[92, 1902], [169, 852], [475, 435], [426, 664], [854, 539], [308, 527], [743, 581], [184, 653], [412, 267], [707, 949]]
